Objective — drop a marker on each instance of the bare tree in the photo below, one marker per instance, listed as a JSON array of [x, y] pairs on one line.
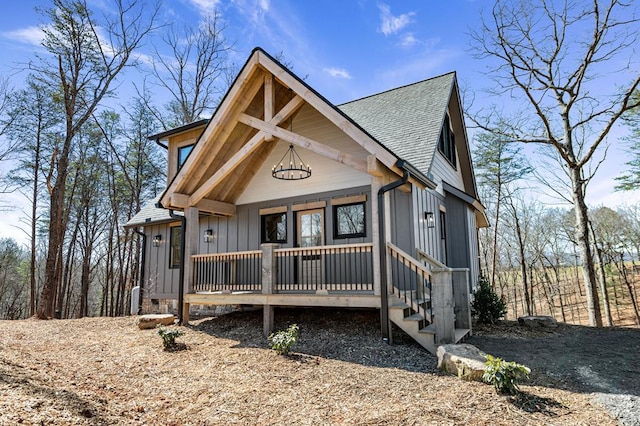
[[195, 73], [84, 57], [548, 55]]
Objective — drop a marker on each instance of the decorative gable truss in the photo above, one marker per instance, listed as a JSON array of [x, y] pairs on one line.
[[255, 114]]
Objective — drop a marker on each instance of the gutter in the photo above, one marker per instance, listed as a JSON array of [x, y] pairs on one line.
[[183, 223], [384, 308], [143, 258]]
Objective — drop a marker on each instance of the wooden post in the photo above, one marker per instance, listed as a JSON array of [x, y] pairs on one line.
[[462, 297], [442, 305], [376, 184], [269, 277], [191, 235]]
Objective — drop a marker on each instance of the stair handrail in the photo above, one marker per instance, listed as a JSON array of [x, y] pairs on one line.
[[431, 260]]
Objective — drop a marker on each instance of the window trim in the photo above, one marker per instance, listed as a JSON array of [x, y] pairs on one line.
[[179, 149], [174, 263], [263, 230], [447, 143], [336, 227]]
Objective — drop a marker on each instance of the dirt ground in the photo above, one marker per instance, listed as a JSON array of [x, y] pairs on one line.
[[104, 371]]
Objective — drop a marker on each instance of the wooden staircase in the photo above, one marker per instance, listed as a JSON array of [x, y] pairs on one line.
[[428, 316]]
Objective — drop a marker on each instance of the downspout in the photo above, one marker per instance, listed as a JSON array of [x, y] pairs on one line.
[[384, 308], [183, 225], [143, 259]]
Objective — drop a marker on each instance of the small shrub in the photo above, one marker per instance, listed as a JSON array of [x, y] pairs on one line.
[[487, 306], [169, 336], [283, 340], [503, 375]]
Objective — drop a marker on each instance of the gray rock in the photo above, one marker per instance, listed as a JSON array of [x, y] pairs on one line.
[[146, 322], [464, 360], [540, 321]]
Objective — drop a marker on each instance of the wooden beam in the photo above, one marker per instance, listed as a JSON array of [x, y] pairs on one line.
[[227, 168], [268, 101], [305, 142], [206, 205], [345, 300], [328, 110], [216, 134]]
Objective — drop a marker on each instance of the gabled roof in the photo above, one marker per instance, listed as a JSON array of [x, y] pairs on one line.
[[406, 120], [400, 128]]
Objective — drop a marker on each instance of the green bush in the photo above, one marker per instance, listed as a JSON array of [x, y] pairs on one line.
[[169, 336], [503, 375], [487, 306], [283, 340]]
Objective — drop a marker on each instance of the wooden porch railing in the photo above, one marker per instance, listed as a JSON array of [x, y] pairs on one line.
[[337, 268], [347, 267], [239, 271], [411, 280]]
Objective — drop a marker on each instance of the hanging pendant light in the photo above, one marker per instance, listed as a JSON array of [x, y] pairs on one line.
[[291, 167]]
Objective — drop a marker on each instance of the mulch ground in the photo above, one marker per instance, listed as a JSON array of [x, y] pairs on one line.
[[104, 371]]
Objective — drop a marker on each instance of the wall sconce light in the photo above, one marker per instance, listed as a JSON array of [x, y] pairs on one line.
[[429, 219], [157, 240], [208, 236]]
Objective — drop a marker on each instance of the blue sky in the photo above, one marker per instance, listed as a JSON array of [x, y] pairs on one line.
[[345, 49]]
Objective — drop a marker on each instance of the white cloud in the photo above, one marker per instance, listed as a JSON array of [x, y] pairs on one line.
[[408, 40], [205, 7], [30, 35], [392, 24], [264, 5], [337, 72]]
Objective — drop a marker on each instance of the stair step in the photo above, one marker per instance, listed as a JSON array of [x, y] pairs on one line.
[[395, 303], [430, 329], [414, 317], [461, 333]]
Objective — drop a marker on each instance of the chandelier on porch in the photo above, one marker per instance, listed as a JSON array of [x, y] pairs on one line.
[[292, 171]]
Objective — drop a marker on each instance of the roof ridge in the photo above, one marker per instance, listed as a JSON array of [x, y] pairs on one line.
[[397, 88]]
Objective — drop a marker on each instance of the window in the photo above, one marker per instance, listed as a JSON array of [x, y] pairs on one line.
[[447, 142], [349, 221], [274, 228], [175, 245], [183, 153]]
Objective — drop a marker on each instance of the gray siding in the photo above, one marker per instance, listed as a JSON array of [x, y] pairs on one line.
[[428, 239], [240, 233], [402, 233], [161, 282], [458, 251]]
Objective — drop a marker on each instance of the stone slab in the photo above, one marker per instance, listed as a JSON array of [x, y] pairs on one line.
[[464, 360], [538, 321], [145, 322]]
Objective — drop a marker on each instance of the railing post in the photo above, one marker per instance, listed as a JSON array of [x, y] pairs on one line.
[[442, 305], [269, 277], [462, 298]]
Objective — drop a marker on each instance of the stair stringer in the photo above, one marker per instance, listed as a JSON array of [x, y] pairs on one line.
[[411, 326]]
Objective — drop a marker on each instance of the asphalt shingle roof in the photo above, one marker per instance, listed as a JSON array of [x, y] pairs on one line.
[[150, 214], [406, 120]]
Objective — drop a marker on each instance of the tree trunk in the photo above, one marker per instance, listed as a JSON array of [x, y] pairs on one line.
[[586, 257]]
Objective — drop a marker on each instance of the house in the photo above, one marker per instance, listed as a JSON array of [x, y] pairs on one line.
[[284, 199]]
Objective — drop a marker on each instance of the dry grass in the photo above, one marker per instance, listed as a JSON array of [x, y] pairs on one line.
[[99, 371]]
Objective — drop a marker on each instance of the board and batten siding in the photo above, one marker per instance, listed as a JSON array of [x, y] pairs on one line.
[[243, 231], [161, 281], [474, 267], [427, 239], [326, 174]]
